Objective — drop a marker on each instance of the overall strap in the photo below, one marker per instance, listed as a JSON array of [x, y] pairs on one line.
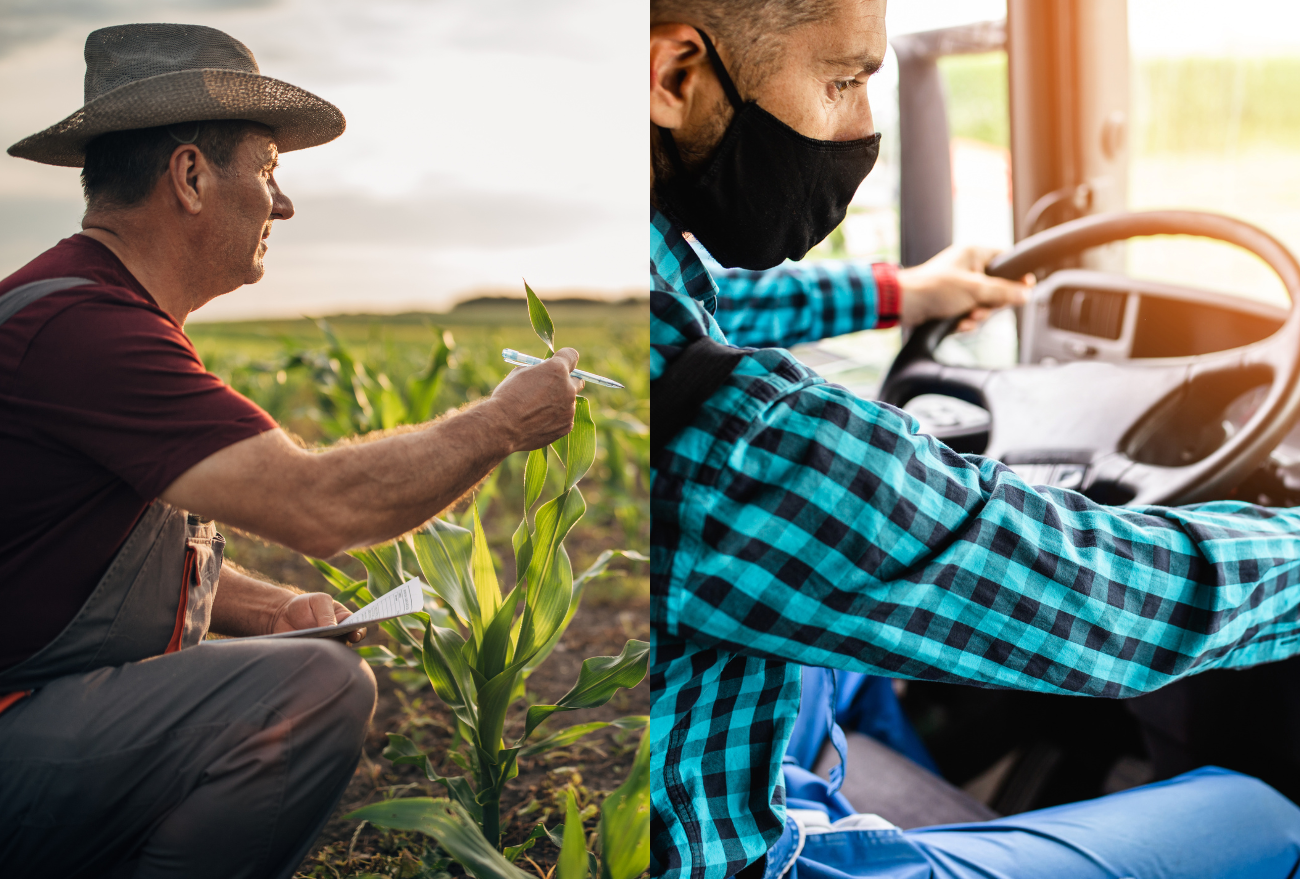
[[685, 386], [20, 297], [10, 304]]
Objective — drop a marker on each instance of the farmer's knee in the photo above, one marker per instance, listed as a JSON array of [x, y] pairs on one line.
[[324, 687], [350, 685]]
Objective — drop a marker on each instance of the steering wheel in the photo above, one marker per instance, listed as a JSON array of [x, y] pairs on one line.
[[1085, 414]]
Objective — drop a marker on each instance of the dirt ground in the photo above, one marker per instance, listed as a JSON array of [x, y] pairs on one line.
[[611, 613]]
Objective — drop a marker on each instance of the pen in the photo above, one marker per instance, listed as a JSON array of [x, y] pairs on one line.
[[518, 358]]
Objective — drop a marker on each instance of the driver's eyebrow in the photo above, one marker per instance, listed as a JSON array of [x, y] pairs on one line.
[[868, 63]]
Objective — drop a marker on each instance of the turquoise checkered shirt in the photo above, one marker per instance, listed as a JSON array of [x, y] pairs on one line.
[[796, 524]]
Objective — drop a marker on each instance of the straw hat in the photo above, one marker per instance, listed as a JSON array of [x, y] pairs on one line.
[[143, 75]]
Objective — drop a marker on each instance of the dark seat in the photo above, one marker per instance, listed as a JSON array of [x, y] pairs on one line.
[[883, 782]]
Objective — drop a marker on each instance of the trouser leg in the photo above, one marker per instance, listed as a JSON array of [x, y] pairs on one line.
[[218, 761], [1207, 824]]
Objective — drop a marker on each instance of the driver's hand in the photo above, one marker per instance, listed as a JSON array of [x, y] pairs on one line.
[[953, 282], [312, 609]]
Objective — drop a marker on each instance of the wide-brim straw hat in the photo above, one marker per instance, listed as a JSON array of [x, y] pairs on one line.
[[146, 75]]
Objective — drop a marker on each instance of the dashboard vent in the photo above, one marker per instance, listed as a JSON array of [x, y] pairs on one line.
[[1097, 313]]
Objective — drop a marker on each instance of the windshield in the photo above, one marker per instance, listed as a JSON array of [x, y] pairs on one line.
[[1215, 126]]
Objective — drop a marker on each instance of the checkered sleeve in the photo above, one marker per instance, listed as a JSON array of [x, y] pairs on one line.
[[819, 528], [804, 302]]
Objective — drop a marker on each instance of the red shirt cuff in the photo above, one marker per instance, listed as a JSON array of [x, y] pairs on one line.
[[888, 295]]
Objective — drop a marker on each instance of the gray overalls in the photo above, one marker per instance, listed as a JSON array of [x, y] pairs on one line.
[[140, 753]]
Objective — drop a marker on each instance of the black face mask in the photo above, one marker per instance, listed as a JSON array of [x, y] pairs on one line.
[[768, 193]]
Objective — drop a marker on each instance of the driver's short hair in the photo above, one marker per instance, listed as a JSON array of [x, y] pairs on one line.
[[749, 29], [122, 167]]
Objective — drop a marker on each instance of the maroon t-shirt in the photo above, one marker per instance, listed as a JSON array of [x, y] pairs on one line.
[[103, 404]]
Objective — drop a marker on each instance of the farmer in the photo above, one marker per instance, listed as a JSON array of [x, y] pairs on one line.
[[124, 747], [795, 524]]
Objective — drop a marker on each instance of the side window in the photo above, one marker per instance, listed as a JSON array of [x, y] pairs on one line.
[[980, 125]]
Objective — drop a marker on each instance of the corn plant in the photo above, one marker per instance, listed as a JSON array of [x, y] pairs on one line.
[[623, 833], [353, 398], [478, 644]]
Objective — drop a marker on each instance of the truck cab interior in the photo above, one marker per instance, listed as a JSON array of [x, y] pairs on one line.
[[1158, 359]]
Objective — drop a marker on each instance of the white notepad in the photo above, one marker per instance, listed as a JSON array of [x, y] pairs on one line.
[[407, 598]]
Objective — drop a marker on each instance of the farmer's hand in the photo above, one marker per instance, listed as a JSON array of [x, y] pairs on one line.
[[534, 404], [953, 282], [309, 610]]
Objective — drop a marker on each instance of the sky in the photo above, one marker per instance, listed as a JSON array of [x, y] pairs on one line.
[[485, 143]]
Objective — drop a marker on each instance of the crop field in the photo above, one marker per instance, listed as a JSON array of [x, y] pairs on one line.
[[351, 378]]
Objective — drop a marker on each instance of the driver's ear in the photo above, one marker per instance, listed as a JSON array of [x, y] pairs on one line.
[[678, 64]]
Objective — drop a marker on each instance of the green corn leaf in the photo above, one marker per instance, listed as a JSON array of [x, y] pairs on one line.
[[552, 604], [470, 654], [496, 652], [439, 671], [580, 451], [598, 569], [625, 822], [358, 593], [399, 633], [534, 478], [566, 737], [334, 576], [446, 660], [383, 567], [392, 408], [493, 700], [561, 448], [512, 852], [402, 750], [522, 540], [573, 851], [422, 388], [444, 552], [540, 318], [556, 835], [550, 579], [554, 520], [600, 566], [601, 677], [483, 569], [447, 822]]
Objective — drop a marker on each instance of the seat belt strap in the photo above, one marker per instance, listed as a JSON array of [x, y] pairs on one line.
[[683, 388]]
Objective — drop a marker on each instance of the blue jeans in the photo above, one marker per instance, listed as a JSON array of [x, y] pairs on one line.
[[1209, 823], [1205, 824]]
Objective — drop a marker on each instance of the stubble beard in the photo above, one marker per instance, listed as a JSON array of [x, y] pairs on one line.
[[695, 150]]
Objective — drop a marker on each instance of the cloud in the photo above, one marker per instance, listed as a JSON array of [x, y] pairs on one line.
[[24, 22], [441, 219]]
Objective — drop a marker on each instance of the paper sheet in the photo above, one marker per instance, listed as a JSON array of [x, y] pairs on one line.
[[407, 598]]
